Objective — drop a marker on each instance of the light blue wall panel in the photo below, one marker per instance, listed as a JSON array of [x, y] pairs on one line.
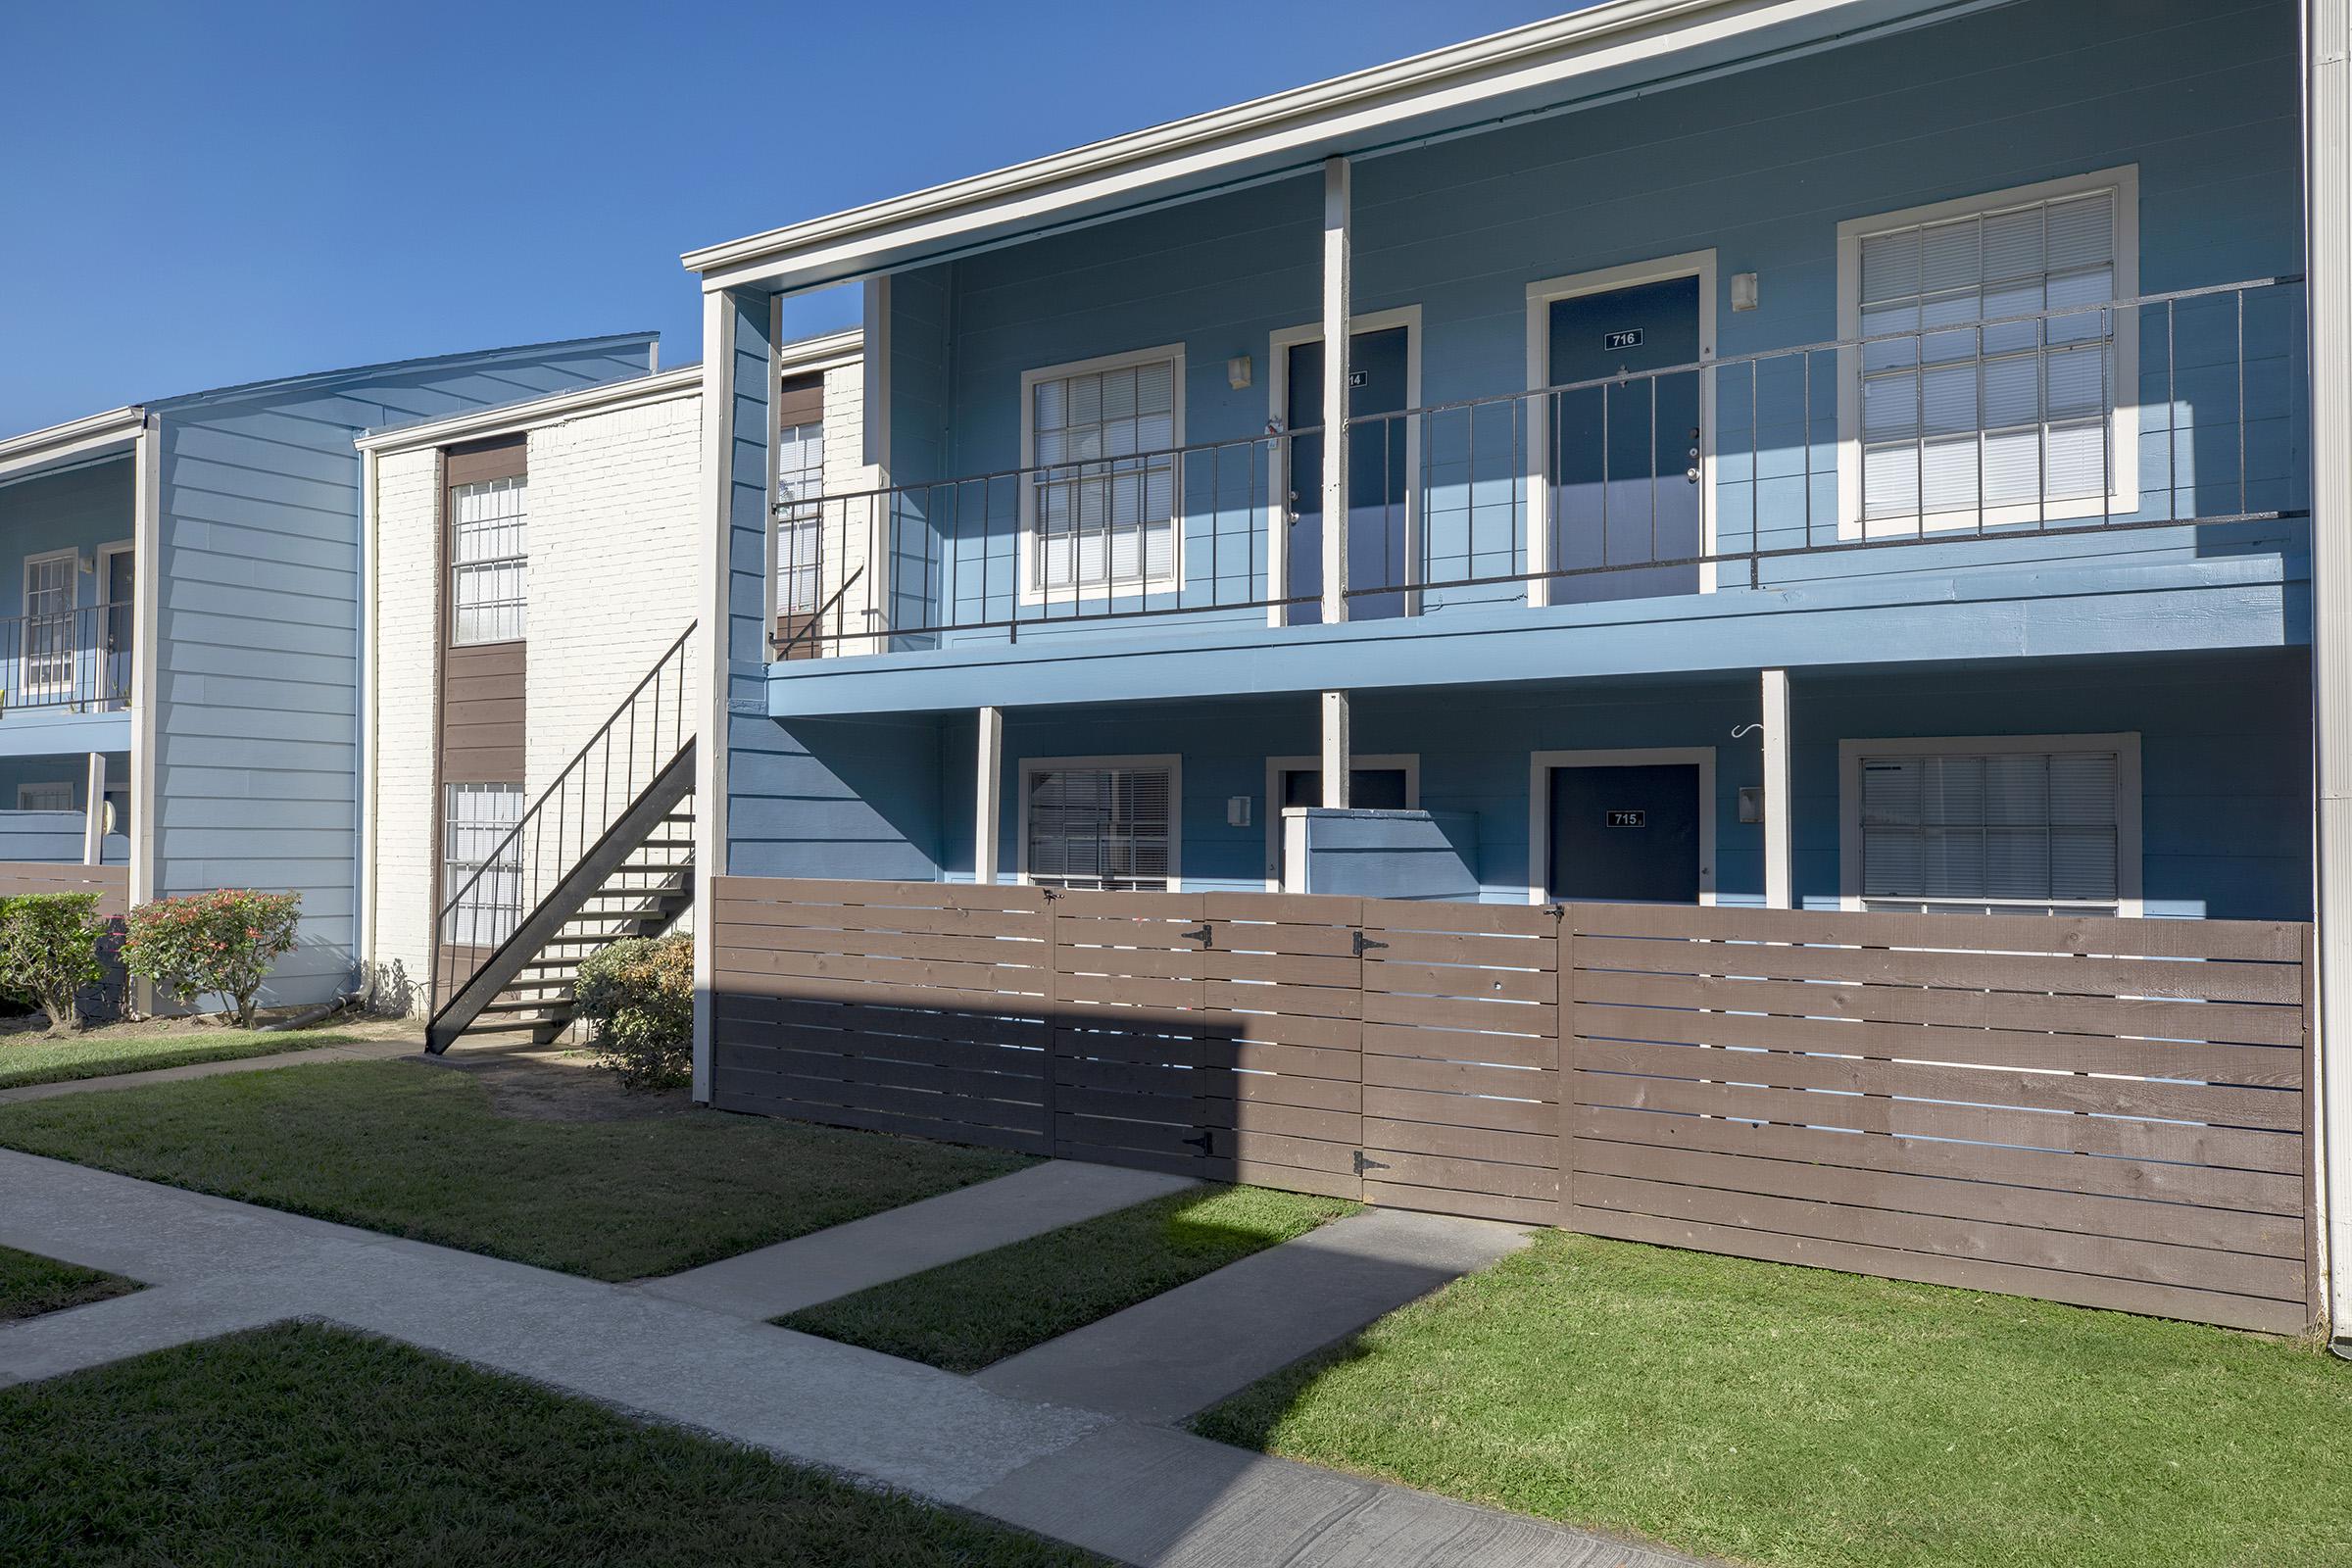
[[79, 510], [1393, 854], [257, 753]]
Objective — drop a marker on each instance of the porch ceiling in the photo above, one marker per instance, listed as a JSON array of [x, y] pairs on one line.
[[1588, 56]]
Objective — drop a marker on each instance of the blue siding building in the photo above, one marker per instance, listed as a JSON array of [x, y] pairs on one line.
[[1873, 444], [185, 635]]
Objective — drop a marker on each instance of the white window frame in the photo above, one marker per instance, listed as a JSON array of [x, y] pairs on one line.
[[1278, 767], [1540, 766], [1025, 564], [780, 523], [458, 569], [24, 790], [1278, 463], [1542, 295], [1031, 767], [2123, 499], [2129, 902], [50, 691], [453, 885]]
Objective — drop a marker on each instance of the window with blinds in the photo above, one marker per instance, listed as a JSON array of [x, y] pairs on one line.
[[1959, 417], [488, 565], [800, 516], [1103, 482], [1995, 830], [1100, 827], [477, 820]]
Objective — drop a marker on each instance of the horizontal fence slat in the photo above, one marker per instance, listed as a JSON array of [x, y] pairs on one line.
[[2253, 940]]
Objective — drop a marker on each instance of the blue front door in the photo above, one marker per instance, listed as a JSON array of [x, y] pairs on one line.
[[1626, 834], [1377, 541], [1625, 452]]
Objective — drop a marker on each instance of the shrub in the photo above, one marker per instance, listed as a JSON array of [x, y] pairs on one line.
[[49, 950], [221, 943], [637, 998]]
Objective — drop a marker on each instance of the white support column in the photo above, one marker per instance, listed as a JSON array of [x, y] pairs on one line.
[[146, 621], [1338, 189], [93, 816], [2328, 165], [715, 519], [1336, 750], [987, 791], [1780, 881]]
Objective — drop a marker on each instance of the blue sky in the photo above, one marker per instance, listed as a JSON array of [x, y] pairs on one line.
[[198, 195]]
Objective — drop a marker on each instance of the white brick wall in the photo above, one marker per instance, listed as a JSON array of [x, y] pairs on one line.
[[615, 574], [615, 568], [403, 825]]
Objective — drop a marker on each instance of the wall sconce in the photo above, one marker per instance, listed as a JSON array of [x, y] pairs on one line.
[[1236, 371], [1744, 291], [1237, 810], [1751, 803]]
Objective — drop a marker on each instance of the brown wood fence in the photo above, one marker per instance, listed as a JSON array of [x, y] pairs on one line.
[[112, 883], [2109, 1112]]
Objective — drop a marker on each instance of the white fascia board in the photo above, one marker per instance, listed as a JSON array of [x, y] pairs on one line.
[[74, 442], [1622, 45], [516, 417]]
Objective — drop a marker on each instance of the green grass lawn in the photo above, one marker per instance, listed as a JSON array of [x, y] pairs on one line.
[[31, 1286], [968, 1314], [418, 1152], [302, 1446], [37, 1059], [1798, 1417]]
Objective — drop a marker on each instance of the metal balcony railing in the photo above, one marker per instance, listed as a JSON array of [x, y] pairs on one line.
[[1742, 471], [77, 660]]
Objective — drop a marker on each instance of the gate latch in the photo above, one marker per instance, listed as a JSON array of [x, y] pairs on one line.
[[1207, 936]]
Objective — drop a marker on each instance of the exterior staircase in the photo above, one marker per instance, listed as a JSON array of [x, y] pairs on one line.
[[606, 853]]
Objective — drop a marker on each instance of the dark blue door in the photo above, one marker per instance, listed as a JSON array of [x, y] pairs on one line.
[[1623, 452], [1376, 477], [1626, 834]]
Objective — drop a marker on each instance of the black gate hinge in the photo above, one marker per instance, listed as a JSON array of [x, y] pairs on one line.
[[1364, 945], [1365, 1163], [1203, 1143], [1207, 936]]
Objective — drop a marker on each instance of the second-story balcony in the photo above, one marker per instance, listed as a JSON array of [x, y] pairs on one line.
[[70, 660], [1950, 434]]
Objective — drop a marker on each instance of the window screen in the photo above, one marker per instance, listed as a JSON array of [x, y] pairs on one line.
[[1099, 827], [44, 796], [1995, 829], [1104, 512], [479, 817], [1962, 416], [487, 559], [800, 516]]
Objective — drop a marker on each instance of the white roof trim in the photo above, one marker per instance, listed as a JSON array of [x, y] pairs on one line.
[[1265, 135], [75, 440], [828, 353], [514, 417]]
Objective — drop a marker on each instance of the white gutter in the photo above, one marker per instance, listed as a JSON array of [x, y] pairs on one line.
[[89, 436], [1286, 131]]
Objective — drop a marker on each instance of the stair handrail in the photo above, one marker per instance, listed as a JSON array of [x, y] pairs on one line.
[[672, 665]]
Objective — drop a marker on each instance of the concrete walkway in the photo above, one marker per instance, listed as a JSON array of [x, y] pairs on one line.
[[1140, 1493], [807, 1269], [356, 1051], [1164, 1359]]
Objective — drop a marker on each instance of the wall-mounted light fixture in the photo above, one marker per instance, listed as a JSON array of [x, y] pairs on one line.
[[1744, 291], [1238, 371], [1237, 810]]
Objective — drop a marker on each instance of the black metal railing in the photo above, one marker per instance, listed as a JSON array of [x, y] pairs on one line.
[[645, 735], [1748, 471], [77, 660]]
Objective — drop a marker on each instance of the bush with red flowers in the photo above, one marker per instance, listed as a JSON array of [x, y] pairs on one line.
[[221, 943]]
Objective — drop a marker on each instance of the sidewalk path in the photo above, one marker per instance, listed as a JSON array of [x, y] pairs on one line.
[[1182, 1351], [807, 1269], [1143, 1494], [355, 1051]]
